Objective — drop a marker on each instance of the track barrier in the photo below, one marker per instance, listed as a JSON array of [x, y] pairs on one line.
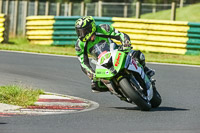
[[4, 28], [52, 30], [177, 37]]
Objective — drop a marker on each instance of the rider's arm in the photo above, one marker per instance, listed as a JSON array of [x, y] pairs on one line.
[[115, 34], [83, 58]]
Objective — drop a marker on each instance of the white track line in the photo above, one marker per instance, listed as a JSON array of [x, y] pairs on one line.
[[156, 63], [76, 57], [22, 52]]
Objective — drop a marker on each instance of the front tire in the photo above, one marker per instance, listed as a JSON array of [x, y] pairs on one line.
[[156, 100], [134, 96]]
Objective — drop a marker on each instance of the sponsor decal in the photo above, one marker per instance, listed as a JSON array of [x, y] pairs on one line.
[[102, 54], [134, 63], [98, 72], [117, 60], [105, 57]]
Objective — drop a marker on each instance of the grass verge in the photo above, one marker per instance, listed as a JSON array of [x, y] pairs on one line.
[[19, 95], [21, 44], [172, 58], [189, 13]]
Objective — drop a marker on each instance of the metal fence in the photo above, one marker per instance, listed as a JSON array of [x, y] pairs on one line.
[[122, 9], [18, 10]]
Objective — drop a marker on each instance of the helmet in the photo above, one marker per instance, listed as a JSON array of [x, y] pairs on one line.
[[85, 28]]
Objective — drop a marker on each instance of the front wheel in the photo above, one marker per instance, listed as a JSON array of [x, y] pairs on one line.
[[156, 100], [134, 96]]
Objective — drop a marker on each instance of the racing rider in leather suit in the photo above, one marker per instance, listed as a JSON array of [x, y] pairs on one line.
[[90, 34]]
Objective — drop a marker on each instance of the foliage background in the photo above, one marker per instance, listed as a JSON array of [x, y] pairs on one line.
[[130, 1]]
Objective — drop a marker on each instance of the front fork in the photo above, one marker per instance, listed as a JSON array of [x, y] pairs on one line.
[[114, 88], [147, 92]]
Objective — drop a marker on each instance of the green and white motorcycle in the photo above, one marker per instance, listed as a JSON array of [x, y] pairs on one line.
[[124, 76]]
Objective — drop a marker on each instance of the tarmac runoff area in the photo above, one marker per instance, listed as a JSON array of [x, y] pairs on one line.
[[49, 104]]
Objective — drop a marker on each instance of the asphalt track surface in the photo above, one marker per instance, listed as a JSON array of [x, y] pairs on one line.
[[179, 87]]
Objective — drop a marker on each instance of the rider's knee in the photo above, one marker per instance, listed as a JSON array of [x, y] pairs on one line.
[[140, 57]]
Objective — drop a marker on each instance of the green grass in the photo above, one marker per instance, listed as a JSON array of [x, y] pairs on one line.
[[19, 95], [172, 58], [189, 13], [21, 44]]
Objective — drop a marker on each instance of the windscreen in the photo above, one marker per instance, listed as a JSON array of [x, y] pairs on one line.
[[99, 49]]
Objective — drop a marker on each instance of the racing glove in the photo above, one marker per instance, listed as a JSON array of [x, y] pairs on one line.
[[126, 45]]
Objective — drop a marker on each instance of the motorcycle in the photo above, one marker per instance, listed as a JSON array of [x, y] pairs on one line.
[[124, 76]]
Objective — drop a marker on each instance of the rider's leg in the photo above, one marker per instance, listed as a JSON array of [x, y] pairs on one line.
[[94, 85], [141, 58]]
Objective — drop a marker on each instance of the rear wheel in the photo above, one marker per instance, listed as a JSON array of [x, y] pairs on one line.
[[134, 96]]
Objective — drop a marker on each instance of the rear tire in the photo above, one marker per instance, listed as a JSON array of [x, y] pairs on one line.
[[131, 93]]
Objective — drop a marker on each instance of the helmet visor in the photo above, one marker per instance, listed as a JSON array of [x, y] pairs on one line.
[[83, 32]]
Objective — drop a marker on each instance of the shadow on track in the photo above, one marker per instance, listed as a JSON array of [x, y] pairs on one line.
[[169, 109], [2, 123], [154, 109]]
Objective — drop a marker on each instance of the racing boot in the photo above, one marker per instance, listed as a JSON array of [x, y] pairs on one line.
[[98, 86], [149, 72]]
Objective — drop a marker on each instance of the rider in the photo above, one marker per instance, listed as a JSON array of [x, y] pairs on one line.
[[90, 34]]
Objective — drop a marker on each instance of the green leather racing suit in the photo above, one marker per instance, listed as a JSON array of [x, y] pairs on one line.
[[103, 32]]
